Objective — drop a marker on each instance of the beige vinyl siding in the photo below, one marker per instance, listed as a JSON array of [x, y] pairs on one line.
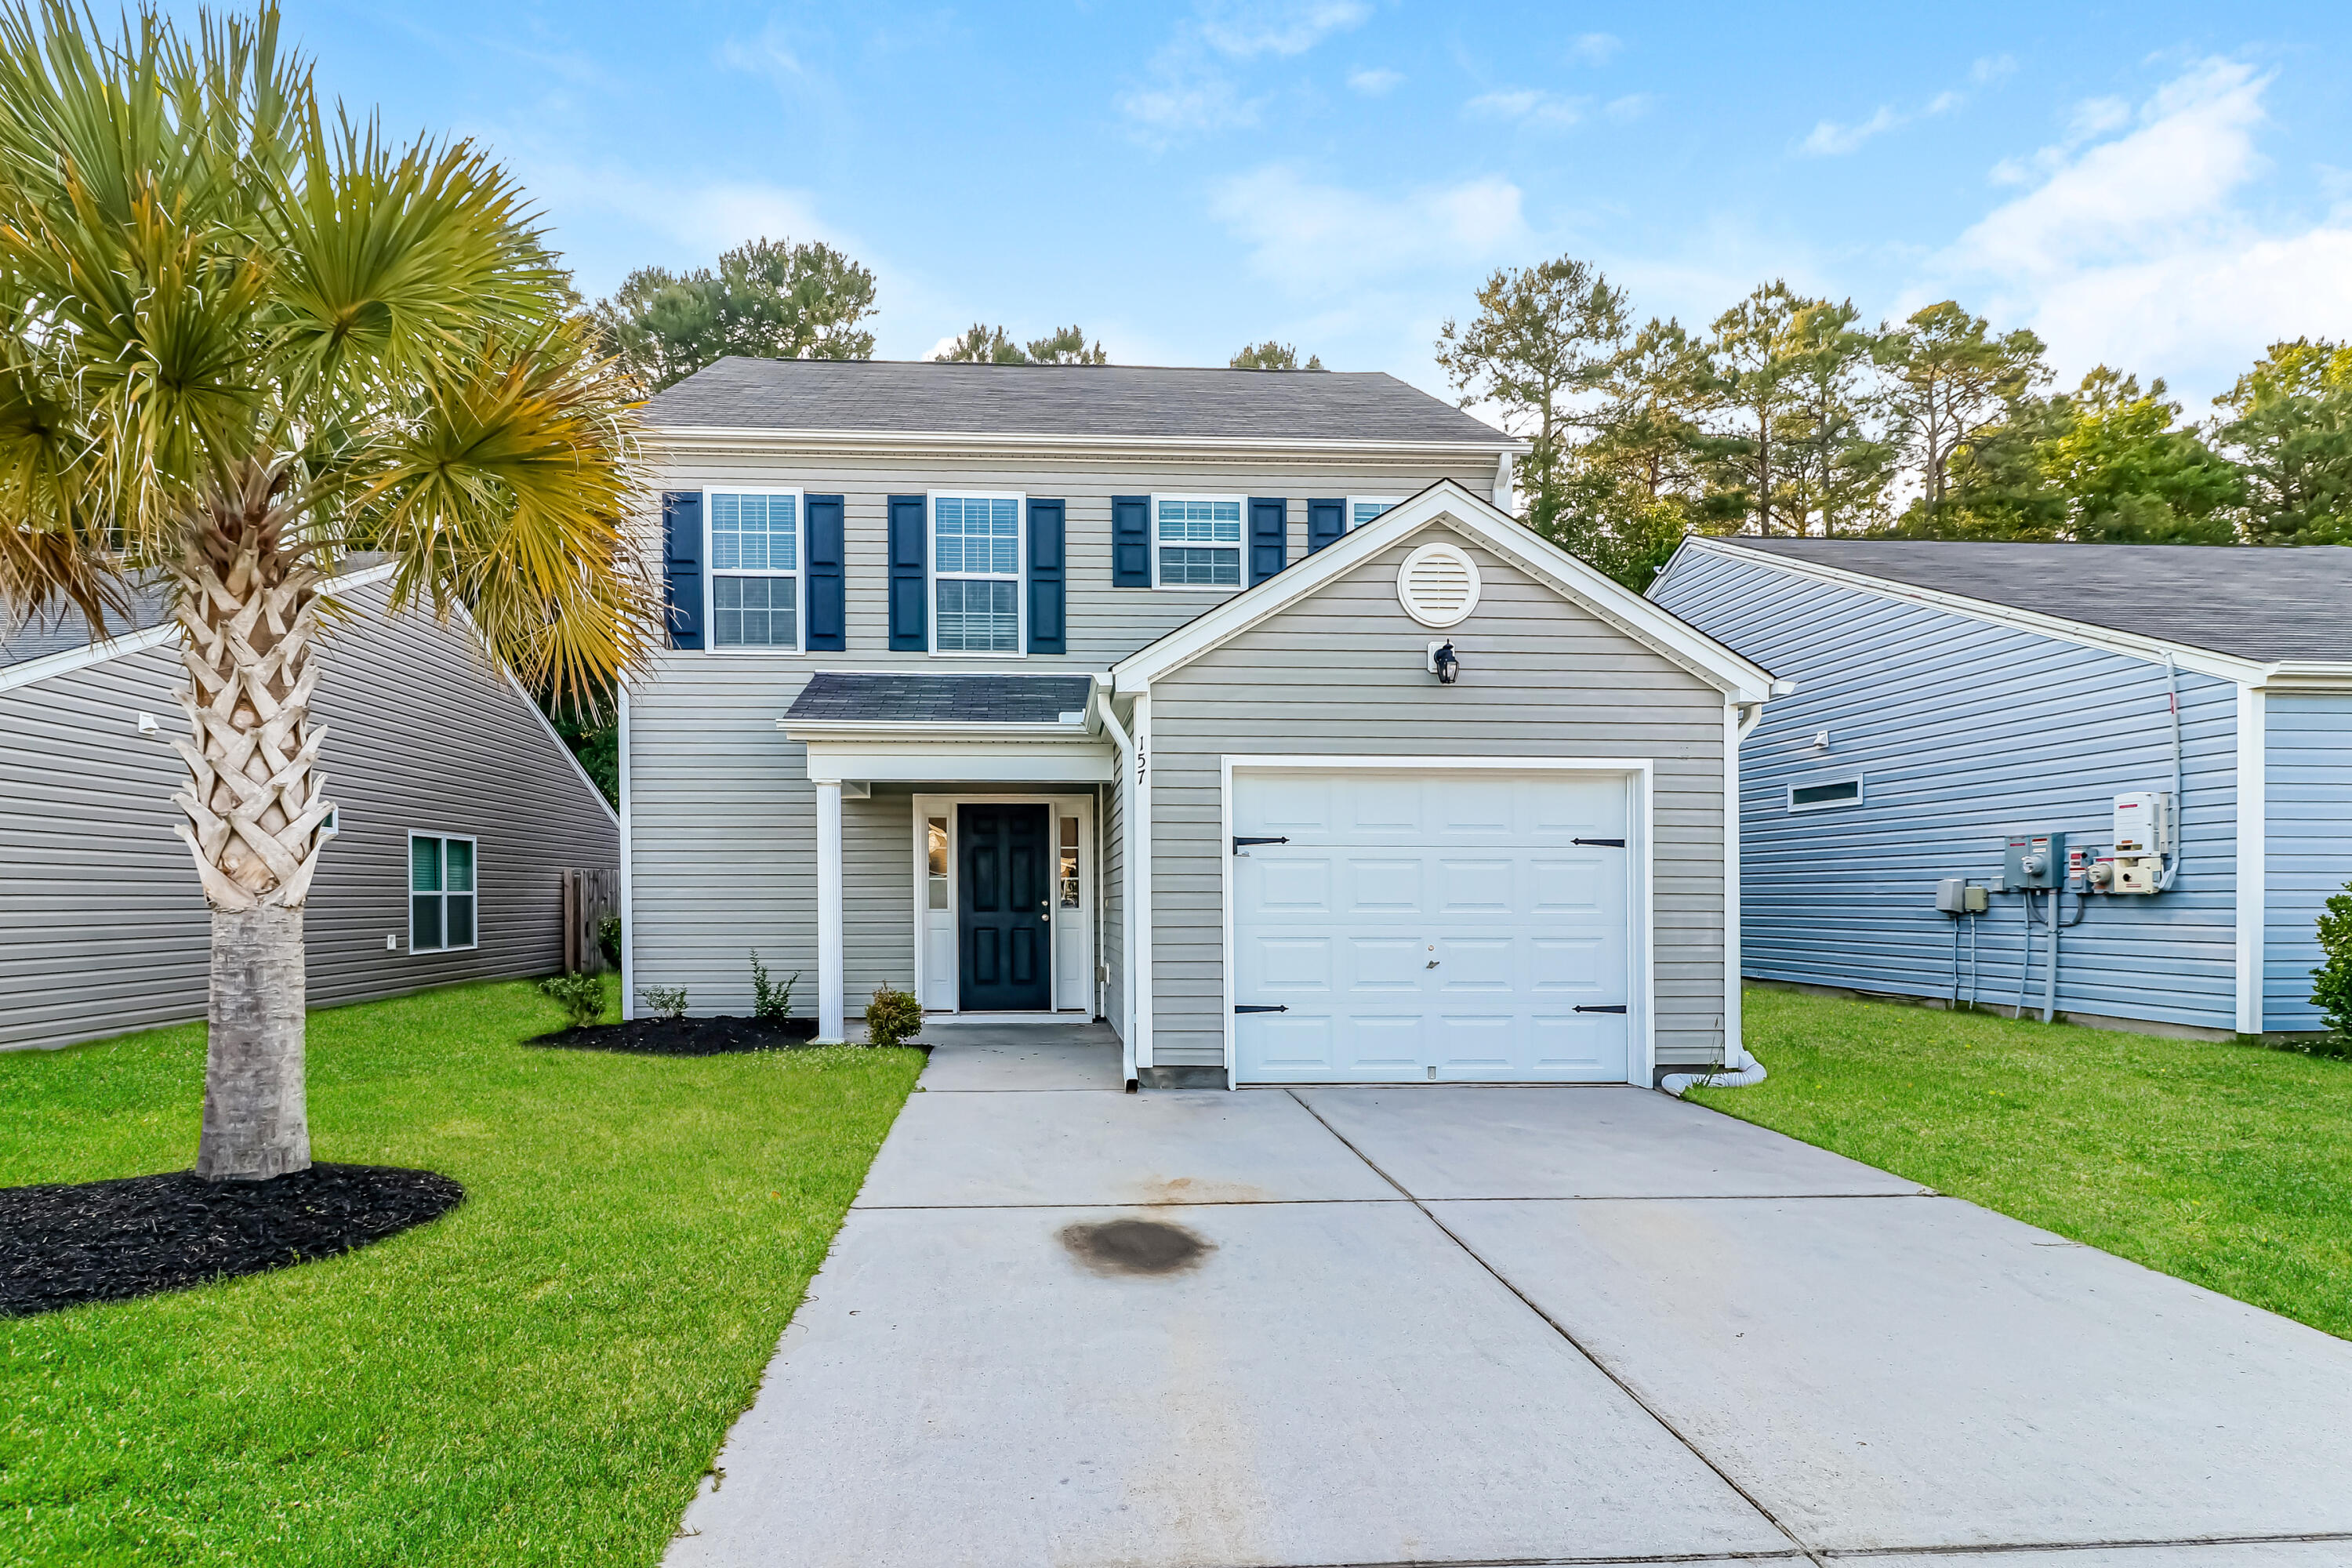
[[1112, 836], [1342, 673], [722, 817], [103, 927]]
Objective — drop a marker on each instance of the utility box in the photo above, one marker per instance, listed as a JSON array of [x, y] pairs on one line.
[[2145, 835], [1958, 896], [2034, 860]]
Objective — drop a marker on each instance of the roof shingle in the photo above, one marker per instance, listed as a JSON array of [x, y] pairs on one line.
[[884, 699]]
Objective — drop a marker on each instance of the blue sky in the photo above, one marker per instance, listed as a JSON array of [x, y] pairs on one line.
[[2167, 187]]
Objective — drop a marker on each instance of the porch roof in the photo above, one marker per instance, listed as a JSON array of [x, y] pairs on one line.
[[881, 701]]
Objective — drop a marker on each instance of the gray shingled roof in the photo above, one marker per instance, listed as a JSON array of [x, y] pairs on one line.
[[929, 397], [928, 698], [60, 631], [2258, 603]]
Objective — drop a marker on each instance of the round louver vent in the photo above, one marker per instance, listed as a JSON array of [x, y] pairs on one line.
[[1438, 584]]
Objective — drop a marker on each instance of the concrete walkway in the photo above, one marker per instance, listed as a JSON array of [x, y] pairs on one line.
[[1066, 1325]]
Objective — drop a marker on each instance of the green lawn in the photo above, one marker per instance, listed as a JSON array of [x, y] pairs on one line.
[[2230, 1165], [541, 1376]]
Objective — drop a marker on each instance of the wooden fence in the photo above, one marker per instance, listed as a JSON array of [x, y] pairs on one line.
[[589, 897]]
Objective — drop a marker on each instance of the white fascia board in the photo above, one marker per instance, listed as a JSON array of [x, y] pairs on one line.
[[2305, 675], [703, 439], [66, 660], [2133, 645], [965, 762], [1448, 502]]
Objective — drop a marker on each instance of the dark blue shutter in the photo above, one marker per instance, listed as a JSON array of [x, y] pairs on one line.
[[1130, 541], [826, 631], [1326, 521], [1269, 537], [909, 621], [682, 565], [1046, 589]]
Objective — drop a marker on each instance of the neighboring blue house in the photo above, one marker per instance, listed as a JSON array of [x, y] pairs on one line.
[[1950, 697]]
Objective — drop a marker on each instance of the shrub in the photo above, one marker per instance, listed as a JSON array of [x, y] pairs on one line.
[[608, 937], [582, 997], [770, 1003], [669, 1001], [2331, 983], [892, 1016]]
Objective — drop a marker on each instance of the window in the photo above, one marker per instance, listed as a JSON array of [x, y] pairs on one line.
[[1198, 541], [936, 861], [1065, 875], [1825, 794], [755, 559], [976, 574], [1361, 509], [440, 893]]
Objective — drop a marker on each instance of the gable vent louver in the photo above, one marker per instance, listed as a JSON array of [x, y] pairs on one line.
[[1438, 584]]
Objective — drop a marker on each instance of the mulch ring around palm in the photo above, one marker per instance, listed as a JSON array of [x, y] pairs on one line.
[[683, 1036], [61, 1246]]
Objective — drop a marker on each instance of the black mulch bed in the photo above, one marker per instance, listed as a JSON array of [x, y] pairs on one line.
[[108, 1241], [684, 1037]]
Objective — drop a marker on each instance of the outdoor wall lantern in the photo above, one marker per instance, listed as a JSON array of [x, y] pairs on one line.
[[1444, 662]]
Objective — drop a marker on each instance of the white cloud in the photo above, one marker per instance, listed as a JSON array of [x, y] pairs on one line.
[[1245, 31], [1373, 81], [1631, 107], [1527, 106], [1316, 238], [2141, 251], [1595, 48], [1182, 101], [1830, 139], [1990, 68]]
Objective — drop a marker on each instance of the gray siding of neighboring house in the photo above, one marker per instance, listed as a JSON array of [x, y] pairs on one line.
[[1342, 672], [1962, 731], [2307, 775], [103, 928], [721, 813]]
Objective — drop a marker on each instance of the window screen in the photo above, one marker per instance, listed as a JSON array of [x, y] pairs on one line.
[[977, 573], [441, 893], [754, 569], [1200, 544]]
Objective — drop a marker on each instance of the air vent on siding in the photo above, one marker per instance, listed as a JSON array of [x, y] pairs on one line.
[[1438, 584]]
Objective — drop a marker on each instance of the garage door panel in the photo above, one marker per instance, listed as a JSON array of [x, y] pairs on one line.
[[1441, 923], [1388, 885]]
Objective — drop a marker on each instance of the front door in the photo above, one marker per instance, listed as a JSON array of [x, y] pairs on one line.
[[1003, 909]]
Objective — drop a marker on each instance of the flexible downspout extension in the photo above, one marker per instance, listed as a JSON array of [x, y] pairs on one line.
[[1126, 745]]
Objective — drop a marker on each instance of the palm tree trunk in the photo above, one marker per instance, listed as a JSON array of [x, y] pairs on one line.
[[248, 611]]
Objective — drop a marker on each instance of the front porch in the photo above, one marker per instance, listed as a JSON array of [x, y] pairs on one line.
[[1002, 777]]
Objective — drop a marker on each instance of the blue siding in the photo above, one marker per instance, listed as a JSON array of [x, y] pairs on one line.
[[1962, 731], [2307, 766]]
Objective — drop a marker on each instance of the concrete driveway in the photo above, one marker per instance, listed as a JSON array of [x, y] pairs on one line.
[[1066, 1325]]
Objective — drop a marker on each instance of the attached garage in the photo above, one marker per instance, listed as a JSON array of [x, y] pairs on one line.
[[1441, 923], [1439, 804]]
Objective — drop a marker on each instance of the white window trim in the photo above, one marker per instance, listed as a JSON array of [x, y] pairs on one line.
[[1241, 552], [1020, 579], [799, 574], [1352, 502], [1861, 792], [408, 899]]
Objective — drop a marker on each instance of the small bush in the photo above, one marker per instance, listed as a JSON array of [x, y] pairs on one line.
[[608, 937], [668, 1001], [770, 1003], [892, 1016], [2331, 983], [582, 997]]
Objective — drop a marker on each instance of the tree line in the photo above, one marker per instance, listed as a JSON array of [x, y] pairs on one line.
[[1785, 415], [1790, 415]]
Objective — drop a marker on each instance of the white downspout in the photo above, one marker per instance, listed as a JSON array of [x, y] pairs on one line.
[[628, 885], [1119, 738], [1740, 1067]]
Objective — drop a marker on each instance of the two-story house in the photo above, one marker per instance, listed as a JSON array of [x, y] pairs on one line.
[[1230, 707]]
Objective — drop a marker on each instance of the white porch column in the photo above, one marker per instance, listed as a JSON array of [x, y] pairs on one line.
[[829, 996]]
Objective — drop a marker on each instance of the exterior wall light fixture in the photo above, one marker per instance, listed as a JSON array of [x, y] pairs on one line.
[[1444, 662]]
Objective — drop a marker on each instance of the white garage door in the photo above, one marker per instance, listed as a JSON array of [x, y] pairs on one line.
[[1430, 926]]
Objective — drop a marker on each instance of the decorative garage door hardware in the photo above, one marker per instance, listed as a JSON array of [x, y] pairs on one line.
[[1618, 1007], [1600, 843], [1257, 1007], [1241, 842]]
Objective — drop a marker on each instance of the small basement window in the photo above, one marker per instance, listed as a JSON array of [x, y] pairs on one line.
[[1824, 794], [440, 893]]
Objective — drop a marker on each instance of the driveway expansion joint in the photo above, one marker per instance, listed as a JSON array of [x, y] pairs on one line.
[[2055, 1548]]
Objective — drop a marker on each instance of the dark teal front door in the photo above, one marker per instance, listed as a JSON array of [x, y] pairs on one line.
[[1002, 931]]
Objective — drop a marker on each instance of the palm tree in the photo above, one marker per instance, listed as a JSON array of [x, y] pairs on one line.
[[245, 339]]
